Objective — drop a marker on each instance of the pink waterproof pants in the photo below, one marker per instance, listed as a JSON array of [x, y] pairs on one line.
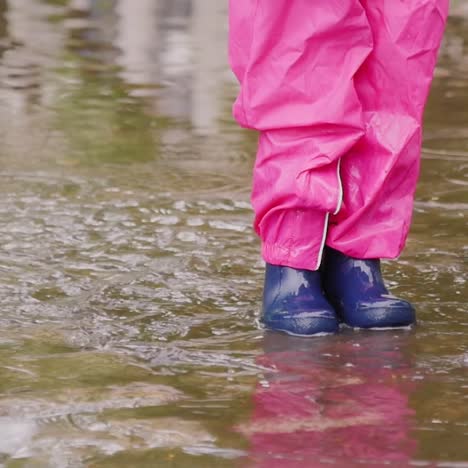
[[337, 90]]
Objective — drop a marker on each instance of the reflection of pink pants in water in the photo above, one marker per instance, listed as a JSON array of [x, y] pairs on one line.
[[337, 90], [317, 409]]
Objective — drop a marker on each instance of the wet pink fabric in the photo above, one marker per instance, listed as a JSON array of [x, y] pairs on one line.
[[337, 90]]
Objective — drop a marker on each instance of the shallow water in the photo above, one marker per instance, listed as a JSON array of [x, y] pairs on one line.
[[130, 276]]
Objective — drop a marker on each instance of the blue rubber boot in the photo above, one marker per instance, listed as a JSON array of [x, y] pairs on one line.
[[294, 303], [357, 291]]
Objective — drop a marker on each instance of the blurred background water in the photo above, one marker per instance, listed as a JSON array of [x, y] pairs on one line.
[[130, 277]]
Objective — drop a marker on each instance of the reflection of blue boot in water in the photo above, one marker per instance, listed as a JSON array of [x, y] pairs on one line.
[[293, 302], [358, 293]]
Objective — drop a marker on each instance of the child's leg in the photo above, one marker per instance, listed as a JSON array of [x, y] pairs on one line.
[[296, 61], [379, 174]]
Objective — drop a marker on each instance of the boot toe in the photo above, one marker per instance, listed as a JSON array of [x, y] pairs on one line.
[[303, 323], [386, 312]]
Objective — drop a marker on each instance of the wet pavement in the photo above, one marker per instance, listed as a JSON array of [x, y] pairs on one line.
[[130, 277]]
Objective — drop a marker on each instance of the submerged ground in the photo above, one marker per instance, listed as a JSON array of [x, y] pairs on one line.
[[130, 277]]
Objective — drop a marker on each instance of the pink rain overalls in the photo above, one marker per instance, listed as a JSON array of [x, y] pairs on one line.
[[337, 90]]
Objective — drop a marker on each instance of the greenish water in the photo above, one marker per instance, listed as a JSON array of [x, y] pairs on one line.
[[130, 277]]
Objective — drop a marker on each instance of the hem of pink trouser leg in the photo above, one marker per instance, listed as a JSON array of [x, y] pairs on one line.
[[281, 255], [372, 251], [290, 257], [303, 252]]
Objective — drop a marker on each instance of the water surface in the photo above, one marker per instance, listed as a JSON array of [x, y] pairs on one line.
[[130, 277]]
